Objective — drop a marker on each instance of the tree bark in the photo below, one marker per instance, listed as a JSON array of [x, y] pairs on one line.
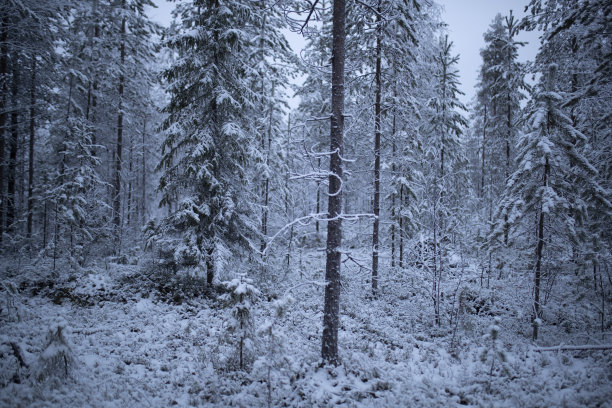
[[3, 112], [210, 265], [130, 185], [265, 212], [393, 153], [331, 310], [144, 172], [484, 140], [507, 170], [377, 132], [12, 164], [538, 266], [400, 258], [118, 152], [31, 147], [393, 203]]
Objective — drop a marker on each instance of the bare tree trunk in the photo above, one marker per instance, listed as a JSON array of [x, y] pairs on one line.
[[318, 198], [144, 171], [210, 265], [401, 227], [331, 310], [538, 265], [117, 181], [393, 168], [436, 270], [3, 112], [289, 166], [265, 212], [484, 139], [393, 208], [130, 186], [12, 164], [507, 169], [508, 122], [31, 147], [45, 227], [377, 132]]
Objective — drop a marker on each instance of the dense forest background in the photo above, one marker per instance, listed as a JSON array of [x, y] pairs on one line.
[[148, 170]]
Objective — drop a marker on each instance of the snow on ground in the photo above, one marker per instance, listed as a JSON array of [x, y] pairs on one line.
[[134, 344]]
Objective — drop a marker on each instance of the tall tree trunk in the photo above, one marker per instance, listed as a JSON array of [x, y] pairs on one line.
[[210, 264], [266, 181], [483, 148], [393, 212], [507, 169], [3, 112], [436, 269], [144, 172], [377, 132], [400, 231], [538, 265], [31, 147], [393, 168], [318, 198], [45, 226], [331, 309], [130, 186], [289, 166], [265, 212], [118, 152], [12, 164]]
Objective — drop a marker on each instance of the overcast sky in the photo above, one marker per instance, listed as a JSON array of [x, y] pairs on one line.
[[467, 22]]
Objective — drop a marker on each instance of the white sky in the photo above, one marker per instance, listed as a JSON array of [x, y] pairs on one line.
[[467, 22]]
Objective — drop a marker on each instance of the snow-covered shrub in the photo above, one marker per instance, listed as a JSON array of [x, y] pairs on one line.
[[272, 364], [164, 283], [12, 362], [242, 294], [11, 306], [56, 360]]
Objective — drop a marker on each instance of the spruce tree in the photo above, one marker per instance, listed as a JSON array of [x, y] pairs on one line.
[[209, 140], [554, 183]]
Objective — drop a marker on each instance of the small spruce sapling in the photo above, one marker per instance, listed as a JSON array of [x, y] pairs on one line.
[[242, 295], [494, 350], [274, 360], [56, 359]]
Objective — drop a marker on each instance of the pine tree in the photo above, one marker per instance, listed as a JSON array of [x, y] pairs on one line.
[[331, 309]]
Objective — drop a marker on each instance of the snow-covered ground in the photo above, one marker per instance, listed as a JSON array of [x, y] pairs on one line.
[[130, 341]]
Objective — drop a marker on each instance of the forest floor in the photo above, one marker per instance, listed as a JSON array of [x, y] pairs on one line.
[[127, 340]]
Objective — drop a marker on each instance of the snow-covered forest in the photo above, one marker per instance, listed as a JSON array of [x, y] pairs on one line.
[[201, 215]]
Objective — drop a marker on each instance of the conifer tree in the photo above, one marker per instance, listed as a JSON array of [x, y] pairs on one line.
[[444, 148], [209, 136], [554, 182]]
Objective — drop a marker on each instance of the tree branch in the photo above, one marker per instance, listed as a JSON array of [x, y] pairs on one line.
[[312, 9]]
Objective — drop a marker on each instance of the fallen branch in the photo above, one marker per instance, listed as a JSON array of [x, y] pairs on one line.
[[575, 348]]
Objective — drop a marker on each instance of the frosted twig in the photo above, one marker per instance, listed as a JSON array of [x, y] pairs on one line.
[[315, 283]]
